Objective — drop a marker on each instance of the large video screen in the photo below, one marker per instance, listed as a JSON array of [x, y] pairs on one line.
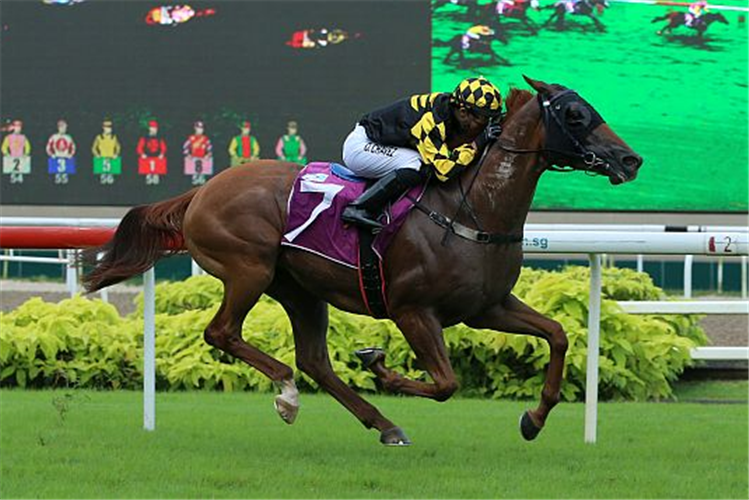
[[125, 102], [669, 77]]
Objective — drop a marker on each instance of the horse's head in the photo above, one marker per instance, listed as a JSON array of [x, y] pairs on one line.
[[715, 16], [578, 138]]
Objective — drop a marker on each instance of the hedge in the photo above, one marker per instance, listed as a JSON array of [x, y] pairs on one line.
[[86, 343]]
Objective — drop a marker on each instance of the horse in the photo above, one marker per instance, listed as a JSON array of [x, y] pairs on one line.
[[232, 227], [579, 8], [517, 10], [461, 44], [676, 19]]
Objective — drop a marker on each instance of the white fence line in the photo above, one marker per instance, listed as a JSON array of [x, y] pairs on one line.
[[720, 353], [686, 307], [33, 260], [69, 261]]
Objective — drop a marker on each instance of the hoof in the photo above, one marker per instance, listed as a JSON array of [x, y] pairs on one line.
[[528, 429], [394, 437], [286, 410], [370, 356]]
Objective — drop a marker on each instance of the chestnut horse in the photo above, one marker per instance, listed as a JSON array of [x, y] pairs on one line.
[[232, 226]]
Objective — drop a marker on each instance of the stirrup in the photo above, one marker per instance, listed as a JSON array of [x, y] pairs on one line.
[[360, 217]]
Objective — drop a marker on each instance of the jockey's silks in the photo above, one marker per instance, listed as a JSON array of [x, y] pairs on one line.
[[420, 122]]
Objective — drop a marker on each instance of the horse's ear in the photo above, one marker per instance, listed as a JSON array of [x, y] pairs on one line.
[[538, 85]]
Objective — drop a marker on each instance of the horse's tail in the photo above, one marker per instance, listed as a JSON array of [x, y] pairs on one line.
[[146, 234]]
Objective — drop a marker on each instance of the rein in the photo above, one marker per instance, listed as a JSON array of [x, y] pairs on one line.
[[551, 107], [452, 226]]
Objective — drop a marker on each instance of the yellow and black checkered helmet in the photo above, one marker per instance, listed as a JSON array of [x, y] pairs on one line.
[[480, 96]]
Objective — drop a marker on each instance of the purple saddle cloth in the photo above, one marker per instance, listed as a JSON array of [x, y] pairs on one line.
[[321, 192]]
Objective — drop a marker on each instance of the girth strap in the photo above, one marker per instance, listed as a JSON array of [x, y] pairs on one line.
[[466, 232], [371, 281]]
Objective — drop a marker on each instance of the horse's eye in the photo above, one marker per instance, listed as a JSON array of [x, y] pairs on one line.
[[575, 116]]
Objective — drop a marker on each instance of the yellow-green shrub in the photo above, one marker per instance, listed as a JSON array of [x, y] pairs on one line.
[[85, 343]]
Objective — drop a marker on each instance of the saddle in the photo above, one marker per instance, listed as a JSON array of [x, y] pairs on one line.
[[321, 191]]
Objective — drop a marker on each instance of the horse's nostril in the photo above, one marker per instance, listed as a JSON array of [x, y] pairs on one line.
[[631, 161]]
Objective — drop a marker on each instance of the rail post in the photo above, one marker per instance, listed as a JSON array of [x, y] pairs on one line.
[[71, 273], [149, 350], [594, 329], [688, 261]]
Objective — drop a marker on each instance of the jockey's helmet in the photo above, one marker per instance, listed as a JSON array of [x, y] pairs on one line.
[[479, 95]]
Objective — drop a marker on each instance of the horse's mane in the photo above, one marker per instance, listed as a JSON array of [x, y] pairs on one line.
[[516, 99]]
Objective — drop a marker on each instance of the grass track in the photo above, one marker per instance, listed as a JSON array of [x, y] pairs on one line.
[[234, 446]]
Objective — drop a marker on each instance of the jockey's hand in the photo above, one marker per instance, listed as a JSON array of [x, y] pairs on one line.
[[489, 135], [493, 130]]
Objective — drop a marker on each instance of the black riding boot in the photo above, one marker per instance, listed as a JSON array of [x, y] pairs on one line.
[[366, 209]]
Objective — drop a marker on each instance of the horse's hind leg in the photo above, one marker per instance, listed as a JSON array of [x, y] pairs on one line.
[[242, 289], [309, 321]]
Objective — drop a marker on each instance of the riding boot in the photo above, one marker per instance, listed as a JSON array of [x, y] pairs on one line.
[[367, 208]]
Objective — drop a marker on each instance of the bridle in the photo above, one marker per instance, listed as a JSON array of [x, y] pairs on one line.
[[563, 144]]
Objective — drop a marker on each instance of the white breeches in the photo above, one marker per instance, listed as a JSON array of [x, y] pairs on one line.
[[371, 160]]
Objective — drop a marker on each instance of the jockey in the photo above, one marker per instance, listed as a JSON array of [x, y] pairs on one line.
[[16, 144], [244, 147], [151, 146], [391, 144], [106, 144], [290, 146], [198, 145], [475, 33], [503, 5], [61, 144], [696, 9]]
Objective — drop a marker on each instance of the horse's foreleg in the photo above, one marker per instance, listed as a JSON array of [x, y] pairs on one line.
[[531, 25], [309, 321], [513, 316], [424, 334], [599, 25], [451, 53]]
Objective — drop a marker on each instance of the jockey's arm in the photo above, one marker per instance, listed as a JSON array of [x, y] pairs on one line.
[[446, 163], [431, 145]]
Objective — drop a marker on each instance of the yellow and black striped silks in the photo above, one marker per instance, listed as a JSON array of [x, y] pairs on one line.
[[422, 122]]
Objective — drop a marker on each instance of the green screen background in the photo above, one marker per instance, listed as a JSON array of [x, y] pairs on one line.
[[681, 106]]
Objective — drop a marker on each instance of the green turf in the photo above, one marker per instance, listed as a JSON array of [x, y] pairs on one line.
[[234, 446], [681, 106], [728, 390]]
